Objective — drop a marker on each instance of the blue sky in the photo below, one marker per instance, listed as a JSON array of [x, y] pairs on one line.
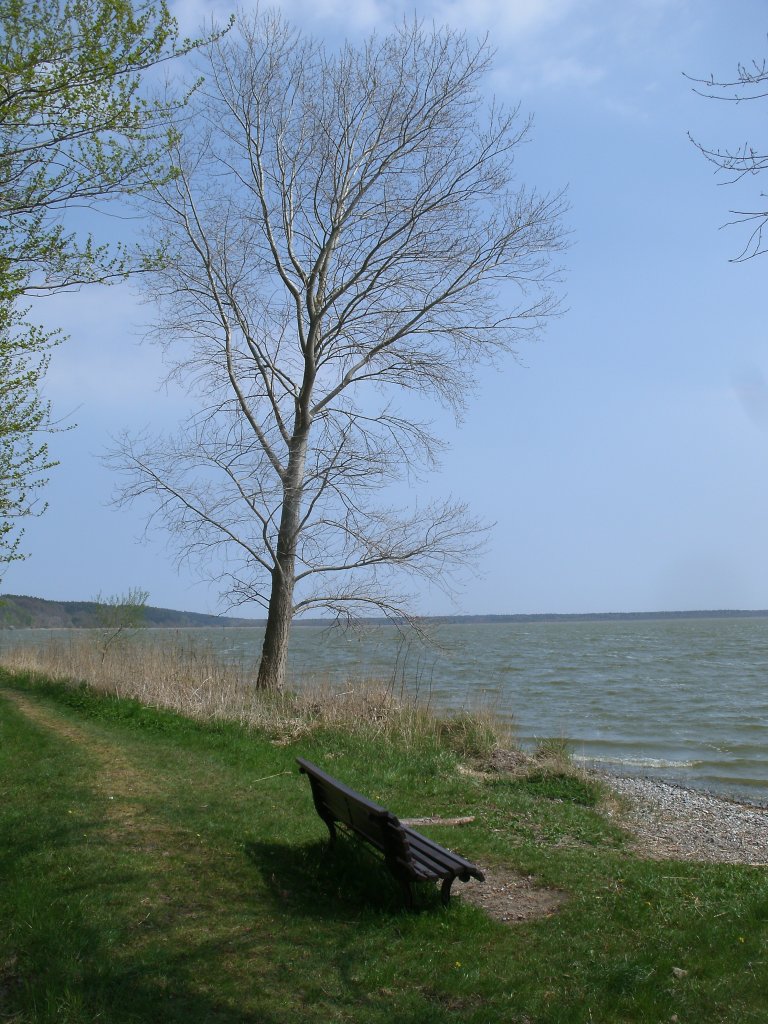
[[624, 460]]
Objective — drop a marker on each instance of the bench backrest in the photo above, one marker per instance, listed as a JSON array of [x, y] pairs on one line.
[[335, 801]]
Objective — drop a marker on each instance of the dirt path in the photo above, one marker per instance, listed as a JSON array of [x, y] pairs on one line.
[[122, 786], [131, 821]]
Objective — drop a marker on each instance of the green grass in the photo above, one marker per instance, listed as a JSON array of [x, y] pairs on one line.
[[160, 869]]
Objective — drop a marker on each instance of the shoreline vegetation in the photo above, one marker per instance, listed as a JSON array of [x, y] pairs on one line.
[[24, 612], [163, 860], [190, 679]]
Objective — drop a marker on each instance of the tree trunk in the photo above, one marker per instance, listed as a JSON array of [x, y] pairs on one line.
[[274, 651]]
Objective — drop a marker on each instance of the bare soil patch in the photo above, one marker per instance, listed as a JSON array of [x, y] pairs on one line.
[[510, 897]]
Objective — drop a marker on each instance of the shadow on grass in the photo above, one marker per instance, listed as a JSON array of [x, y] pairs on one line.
[[60, 960], [165, 989], [319, 881], [69, 969]]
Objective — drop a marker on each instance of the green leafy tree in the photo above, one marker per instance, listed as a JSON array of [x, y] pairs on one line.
[[24, 416], [76, 128]]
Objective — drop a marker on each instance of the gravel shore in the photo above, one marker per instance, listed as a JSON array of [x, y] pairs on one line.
[[669, 821]]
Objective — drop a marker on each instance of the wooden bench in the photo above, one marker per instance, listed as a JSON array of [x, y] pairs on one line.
[[410, 856]]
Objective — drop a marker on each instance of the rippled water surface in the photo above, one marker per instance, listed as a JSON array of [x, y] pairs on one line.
[[686, 699]]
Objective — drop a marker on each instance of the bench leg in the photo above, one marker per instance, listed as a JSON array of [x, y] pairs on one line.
[[331, 831], [407, 893], [445, 890]]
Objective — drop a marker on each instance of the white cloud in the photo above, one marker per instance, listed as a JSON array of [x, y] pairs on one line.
[[362, 15], [506, 19], [193, 14], [340, 15], [563, 73], [101, 368], [547, 42]]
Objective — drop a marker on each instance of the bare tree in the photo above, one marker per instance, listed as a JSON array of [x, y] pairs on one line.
[[345, 228], [750, 83]]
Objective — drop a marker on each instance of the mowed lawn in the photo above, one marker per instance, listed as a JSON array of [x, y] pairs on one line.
[[157, 869]]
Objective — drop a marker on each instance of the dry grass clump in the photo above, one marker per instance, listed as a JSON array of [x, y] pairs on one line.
[[476, 734], [194, 681], [549, 768]]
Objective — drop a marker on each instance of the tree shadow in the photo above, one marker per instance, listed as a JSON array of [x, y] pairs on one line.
[[68, 968], [59, 959]]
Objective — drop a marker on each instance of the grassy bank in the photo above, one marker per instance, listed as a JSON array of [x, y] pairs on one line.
[[164, 867]]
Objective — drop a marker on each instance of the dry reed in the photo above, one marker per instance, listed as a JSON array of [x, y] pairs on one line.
[[194, 681]]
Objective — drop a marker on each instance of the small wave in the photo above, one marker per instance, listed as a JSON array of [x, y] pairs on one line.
[[639, 762]]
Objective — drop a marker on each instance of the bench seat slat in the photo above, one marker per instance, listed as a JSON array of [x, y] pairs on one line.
[[432, 861], [442, 868], [428, 869], [416, 868], [438, 854]]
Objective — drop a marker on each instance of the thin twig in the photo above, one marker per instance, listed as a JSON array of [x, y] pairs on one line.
[[275, 776]]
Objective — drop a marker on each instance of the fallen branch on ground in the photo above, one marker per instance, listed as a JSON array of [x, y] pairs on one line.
[[438, 821]]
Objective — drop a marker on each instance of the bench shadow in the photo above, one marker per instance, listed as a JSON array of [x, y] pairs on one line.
[[317, 880]]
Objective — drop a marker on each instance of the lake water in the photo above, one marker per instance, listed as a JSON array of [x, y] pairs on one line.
[[684, 699]]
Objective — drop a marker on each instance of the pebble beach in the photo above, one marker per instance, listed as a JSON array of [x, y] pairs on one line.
[[670, 821]]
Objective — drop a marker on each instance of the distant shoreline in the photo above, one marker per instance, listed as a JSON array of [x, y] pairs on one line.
[[22, 612], [601, 616]]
